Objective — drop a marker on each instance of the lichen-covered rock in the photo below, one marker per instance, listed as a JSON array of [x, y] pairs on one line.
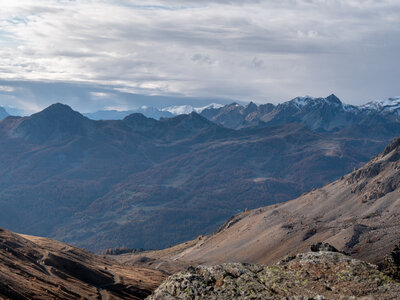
[[314, 275], [323, 247], [391, 263]]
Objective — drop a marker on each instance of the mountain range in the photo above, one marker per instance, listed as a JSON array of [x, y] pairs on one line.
[[150, 112], [146, 183], [320, 114]]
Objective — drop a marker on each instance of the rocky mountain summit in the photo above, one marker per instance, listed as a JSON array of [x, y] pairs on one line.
[[314, 275]]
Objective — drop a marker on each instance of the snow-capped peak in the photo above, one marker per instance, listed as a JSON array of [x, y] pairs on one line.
[[187, 109], [302, 101], [388, 105], [332, 100]]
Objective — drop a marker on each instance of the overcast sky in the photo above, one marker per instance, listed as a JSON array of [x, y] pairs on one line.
[[265, 51]]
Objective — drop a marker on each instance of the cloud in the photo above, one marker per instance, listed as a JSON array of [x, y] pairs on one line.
[[99, 94], [6, 88], [260, 50], [202, 59]]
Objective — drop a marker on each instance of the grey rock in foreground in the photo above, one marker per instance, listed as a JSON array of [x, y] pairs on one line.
[[315, 275]]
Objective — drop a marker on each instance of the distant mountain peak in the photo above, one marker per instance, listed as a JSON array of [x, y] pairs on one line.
[[58, 111], [58, 107], [309, 100], [389, 105], [3, 113], [136, 116], [56, 122], [332, 98], [251, 105], [187, 109]]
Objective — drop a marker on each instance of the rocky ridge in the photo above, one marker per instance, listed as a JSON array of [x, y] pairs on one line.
[[321, 114], [314, 275]]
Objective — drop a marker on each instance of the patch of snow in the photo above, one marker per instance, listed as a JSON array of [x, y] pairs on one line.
[[348, 107], [389, 105], [187, 109], [179, 109], [302, 101]]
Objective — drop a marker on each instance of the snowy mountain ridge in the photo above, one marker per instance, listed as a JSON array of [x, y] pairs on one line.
[[187, 109], [389, 105]]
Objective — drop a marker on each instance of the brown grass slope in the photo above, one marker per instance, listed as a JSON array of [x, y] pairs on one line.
[[39, 268], [358, 213]]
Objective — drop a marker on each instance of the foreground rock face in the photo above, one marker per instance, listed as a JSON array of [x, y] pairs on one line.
[[315, 275]]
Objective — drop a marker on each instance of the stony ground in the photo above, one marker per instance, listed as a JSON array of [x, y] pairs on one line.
[[314, 275]]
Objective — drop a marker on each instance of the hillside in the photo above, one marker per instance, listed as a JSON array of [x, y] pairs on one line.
[[358, 214], [39, 268], [146, 183]]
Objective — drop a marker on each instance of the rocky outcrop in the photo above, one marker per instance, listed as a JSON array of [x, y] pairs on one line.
[[391, 264], [314, 275], [323, 247]]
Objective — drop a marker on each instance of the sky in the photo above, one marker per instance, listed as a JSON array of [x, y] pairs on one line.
[[118, 52]]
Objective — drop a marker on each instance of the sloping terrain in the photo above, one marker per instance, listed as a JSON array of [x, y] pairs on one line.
[[39, 268], [358, 214], [320, 275], [143, 183], [3, 113]]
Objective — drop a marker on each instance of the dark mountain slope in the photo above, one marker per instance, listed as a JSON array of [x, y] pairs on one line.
[[55, 123], [358, 214], [196, 190], [140, 182]]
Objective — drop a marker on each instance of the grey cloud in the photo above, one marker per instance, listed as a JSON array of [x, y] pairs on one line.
[[259, 50], [202, 59], [257, 63]]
